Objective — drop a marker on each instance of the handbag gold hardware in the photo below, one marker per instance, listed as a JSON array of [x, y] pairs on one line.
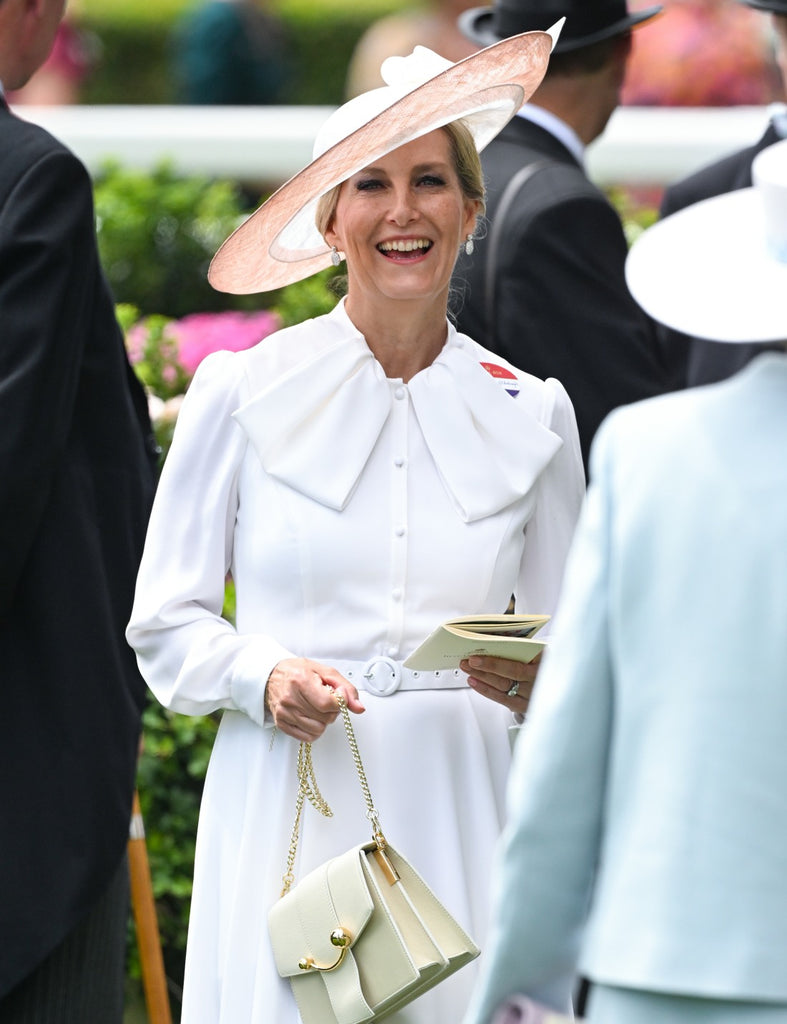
[[386, 864], [395, 939], [339, 937]]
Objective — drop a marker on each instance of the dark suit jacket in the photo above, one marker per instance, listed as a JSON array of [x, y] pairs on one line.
[[76, 483], [699, 361], [561, 302]]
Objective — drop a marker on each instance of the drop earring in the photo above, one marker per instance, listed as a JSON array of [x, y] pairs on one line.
[[469, 245], [335, 257]]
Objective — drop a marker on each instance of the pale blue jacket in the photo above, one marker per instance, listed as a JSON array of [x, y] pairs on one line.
[[647, 836]]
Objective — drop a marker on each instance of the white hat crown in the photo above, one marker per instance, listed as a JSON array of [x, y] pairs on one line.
[[401, 75], [718, 269]]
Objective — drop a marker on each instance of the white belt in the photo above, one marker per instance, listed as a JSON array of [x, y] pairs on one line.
[[384, 676]]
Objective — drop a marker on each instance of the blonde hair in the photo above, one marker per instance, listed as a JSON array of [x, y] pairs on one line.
[[466, 162]]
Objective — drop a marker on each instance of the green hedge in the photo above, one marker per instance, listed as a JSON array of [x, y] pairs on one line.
[[135, 47], [157, 232]]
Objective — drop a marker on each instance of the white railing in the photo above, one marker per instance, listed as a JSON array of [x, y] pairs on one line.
[[641, 146]]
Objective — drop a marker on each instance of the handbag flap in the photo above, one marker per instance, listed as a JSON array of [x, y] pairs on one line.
[[334, 895]]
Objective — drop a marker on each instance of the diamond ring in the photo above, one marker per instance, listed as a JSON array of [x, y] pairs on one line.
[[514, 689]]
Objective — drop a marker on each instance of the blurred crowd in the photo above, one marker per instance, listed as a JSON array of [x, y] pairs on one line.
[[700, 53]]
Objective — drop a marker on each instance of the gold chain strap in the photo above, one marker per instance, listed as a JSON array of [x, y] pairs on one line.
[[308, 790]]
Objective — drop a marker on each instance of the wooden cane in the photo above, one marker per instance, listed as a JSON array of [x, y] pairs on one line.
[[154, 980]]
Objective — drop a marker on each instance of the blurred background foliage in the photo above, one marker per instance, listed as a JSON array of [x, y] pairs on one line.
[[170, 779], [703, 52], [157, 233], [135, 57]]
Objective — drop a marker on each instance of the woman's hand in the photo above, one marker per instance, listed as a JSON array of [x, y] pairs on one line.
[[501, 680], [300, 697]]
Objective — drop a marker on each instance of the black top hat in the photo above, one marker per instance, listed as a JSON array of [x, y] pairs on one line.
[[587, 21], [773, 6]]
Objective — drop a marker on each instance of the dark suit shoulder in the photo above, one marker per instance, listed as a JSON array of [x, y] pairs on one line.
[[730, 173], [518, 145], [24, 141], [554, 184], [26, 147], [559, 200]]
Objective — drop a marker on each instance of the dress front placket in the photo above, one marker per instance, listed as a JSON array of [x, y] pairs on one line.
[[399, 522]]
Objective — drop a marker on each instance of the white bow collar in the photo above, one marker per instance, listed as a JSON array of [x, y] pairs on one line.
[[315, 427]]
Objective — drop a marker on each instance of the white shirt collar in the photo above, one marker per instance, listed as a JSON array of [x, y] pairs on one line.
[[466, 420], [555, 126], [777, 112]]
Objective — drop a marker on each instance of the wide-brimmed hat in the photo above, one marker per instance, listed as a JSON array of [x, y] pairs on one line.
[[280, 243], [587, 21], [718, 269], [772, 6]]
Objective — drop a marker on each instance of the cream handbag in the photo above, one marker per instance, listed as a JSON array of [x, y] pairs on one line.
[[362, 935]]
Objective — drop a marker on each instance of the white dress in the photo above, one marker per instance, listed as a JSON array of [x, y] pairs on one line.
[[355, 514]]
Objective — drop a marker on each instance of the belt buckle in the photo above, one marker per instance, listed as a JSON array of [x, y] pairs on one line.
[[386, 685]]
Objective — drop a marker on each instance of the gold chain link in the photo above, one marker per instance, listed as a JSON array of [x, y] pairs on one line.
[[371, 810], [309, 790]]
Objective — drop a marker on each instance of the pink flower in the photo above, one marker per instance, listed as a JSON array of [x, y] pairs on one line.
[[136, 337], [200, 334], [702, 53]]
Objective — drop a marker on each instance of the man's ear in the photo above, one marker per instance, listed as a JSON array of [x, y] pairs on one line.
[[34, 8], [31, 14]]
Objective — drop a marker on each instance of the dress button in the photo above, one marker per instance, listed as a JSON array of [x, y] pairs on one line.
[[399, 393], [396, 594], [400, 531], [398, 462]]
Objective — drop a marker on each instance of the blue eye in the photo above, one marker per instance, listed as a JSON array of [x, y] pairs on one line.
[[367, 184], [433, 180]]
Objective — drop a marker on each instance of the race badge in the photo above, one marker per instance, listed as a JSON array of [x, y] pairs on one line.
[[507, 379]]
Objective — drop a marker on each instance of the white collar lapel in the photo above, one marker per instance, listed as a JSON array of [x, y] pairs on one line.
[[316, 426]]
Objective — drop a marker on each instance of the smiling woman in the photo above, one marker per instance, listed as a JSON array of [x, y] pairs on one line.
[[364, 477], [400, 224]]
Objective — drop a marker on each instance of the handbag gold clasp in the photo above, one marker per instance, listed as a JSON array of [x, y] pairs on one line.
[[340, 938]]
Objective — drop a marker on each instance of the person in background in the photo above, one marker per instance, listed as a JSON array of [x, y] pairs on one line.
[[230, 52], [432, 25], [58, 81], [77, 471], [647, 836], [545, 287], [702, 360], [702, 53], [364, 475]]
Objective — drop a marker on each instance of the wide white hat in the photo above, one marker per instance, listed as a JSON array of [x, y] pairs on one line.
[[279, 243], [718, 269]]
